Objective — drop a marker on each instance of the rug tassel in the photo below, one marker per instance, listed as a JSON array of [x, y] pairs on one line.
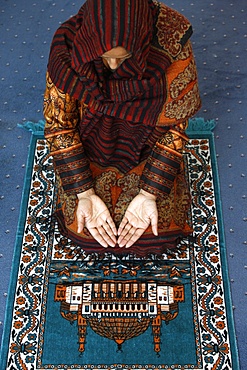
[[33, 126]]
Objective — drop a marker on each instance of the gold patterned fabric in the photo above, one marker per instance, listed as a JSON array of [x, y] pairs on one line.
[[62, 114]]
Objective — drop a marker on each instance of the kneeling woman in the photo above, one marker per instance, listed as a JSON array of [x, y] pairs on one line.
[[121, 86]]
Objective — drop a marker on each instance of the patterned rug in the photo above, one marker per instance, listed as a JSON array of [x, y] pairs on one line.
[[69, 310]]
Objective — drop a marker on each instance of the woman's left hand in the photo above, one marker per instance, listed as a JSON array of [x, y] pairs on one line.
[[141, 212]]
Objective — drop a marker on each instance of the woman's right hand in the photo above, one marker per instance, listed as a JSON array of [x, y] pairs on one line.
[[93, 214]]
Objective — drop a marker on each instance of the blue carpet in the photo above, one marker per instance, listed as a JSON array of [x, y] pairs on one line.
[[219, 42]]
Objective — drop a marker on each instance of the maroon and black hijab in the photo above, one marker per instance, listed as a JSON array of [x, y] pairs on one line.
[[136, 90]]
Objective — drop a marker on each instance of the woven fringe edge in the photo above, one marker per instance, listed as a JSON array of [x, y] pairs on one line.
[[195, 124]]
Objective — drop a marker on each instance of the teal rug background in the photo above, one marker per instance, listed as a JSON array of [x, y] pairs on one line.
[[134, 351], [201, 130]]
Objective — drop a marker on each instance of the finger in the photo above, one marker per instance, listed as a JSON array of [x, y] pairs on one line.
[[107, 234], [122, 225], [123, 239], [125, 230], [112, 225], [98, 237], [134, 238], [80, 223], [154, 224], [124, 236]]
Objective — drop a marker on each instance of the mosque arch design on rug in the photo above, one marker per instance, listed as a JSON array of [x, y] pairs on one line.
[[119, 310]]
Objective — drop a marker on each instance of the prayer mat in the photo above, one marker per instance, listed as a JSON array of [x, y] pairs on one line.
[[70, 310]]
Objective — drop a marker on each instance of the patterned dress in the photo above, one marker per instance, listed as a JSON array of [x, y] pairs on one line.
[[122, 131]]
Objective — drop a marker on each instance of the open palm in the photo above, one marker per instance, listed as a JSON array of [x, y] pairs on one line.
[[93, 214], [141, 212]]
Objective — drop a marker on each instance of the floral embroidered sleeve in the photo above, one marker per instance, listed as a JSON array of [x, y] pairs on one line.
[[164, 162], [61, 132]]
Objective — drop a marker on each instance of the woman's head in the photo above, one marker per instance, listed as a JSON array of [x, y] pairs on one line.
[[109, 24]]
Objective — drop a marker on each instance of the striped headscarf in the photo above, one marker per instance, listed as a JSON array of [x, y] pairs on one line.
[[136, 90], [110, 23]]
